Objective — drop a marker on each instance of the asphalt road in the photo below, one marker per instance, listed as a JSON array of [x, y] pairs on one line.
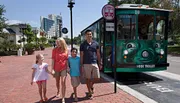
[[160, 89]]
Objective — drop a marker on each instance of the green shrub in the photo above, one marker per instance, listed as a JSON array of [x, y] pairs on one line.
[[51, 41], [15, 47], [37, 47], [4, 53], [47, 45], [174, 50], [30, 48], [8, 53], [12, 53], [42, 46]]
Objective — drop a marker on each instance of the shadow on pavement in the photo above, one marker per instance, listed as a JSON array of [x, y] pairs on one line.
[[104, 94], [83, 80], [68, 100], [49, 100], [134, 78]]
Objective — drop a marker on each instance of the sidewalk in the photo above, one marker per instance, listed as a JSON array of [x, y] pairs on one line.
[[173, 58], [15, 77]]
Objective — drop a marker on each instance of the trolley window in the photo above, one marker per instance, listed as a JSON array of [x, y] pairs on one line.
[[160, 29], [126, 26], [145, 26]]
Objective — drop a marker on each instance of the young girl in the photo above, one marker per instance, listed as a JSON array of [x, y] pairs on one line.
[[40, 75]]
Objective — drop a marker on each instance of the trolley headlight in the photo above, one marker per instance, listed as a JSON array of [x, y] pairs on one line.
[[162, 52], [157, 45], [130, 45], [145, 54], [125, 52]]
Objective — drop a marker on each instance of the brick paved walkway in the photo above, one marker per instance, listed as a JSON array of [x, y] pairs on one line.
[[15, 77]]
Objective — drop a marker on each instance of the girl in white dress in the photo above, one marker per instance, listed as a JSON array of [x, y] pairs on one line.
[[40, 76]]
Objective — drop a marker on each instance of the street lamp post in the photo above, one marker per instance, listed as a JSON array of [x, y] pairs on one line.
[[178, 7], [70, 5]]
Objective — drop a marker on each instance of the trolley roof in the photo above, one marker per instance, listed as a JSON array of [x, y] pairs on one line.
[[92, 24], [131, 6], [139, 6]]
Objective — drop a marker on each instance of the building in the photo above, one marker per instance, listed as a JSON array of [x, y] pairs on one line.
[[37, 31], [14, 34], [51, 25], [11, 35], [59, 25], [18, 34], [48, 26]]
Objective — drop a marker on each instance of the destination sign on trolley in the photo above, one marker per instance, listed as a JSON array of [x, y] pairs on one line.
[[145, 66]]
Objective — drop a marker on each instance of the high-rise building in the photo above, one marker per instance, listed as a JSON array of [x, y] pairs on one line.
[[59, 25], [52, 25]]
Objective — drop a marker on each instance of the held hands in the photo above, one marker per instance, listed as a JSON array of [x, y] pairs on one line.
[[52, 72]]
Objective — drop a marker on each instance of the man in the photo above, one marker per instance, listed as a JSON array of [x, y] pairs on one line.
[[90, 61]]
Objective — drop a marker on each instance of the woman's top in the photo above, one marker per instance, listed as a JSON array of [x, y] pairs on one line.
[[60, 59]]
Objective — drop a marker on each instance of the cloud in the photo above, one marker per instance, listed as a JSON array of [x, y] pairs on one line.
[[32, 23], [11, 22]]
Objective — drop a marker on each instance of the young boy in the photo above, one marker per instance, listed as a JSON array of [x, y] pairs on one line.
[[74, 65]]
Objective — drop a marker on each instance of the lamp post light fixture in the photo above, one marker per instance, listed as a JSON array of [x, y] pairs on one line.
[[22, 27], [70, 5]]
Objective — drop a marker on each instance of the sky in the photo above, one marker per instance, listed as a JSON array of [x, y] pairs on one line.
[[85, 12]]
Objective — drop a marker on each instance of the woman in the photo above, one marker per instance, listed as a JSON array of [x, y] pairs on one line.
[[59, 66]]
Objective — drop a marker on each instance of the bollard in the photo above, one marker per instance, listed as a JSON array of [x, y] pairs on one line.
[[19, 52]]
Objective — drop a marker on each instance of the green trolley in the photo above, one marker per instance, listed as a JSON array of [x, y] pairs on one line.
[[139, 36]]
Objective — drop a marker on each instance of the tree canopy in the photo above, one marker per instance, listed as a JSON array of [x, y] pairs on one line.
[[2, 18]]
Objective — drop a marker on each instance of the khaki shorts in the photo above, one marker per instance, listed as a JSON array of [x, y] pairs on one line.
[[61, 73], [75, 81], [91, 71]]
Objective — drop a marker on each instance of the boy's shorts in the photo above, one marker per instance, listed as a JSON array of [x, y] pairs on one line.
[[41, 81], [60, 73], [91, 71], [75, 81]]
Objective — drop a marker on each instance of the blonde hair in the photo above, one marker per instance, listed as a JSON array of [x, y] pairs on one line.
[[63, 44], [38, 56]]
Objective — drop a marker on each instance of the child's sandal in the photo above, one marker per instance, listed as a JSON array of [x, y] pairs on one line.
[[45, 99], [76, 99], [92, 90], [90, 96], [41, 101], [63, 100]]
